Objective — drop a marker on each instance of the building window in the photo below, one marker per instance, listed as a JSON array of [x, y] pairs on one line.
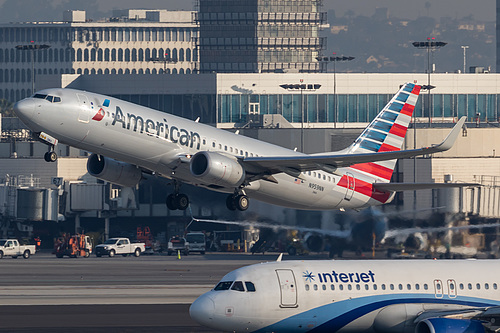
[[141, 55], [106, 55], [127, 54], [120, 54], [113, 54]]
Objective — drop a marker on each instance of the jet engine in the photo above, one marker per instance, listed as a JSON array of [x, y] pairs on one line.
[[314, 242], [113, 171], [217, 169], [442, 325]]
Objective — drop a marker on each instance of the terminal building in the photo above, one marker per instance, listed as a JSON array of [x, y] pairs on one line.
[[285, 101], [131, 42]]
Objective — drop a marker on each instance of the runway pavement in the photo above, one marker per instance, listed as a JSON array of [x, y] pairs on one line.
[[120, 294]]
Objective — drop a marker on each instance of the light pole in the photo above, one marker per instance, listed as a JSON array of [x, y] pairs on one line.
[[429, 45], [334, 60], [301, 87], [465, 47], [32, 47]]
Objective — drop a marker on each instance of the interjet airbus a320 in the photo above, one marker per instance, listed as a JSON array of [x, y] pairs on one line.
[[361, 296], [128, 140]]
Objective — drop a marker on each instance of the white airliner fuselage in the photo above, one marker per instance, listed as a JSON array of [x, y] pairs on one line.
[[130, 139], [355, 296]]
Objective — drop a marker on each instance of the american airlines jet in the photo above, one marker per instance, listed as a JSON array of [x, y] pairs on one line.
[[128, 140], [375, 296]]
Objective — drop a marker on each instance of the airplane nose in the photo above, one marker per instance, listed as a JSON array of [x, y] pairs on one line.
[[202, 310], [25, 108]]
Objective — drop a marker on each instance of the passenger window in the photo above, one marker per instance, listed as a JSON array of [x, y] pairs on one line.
[[461, 286], [231, 149], [246, 154], [213, 144], [250, 286], [367, 287], [358, 287], [417, 286], [204, 142], [349, 287], [225, 148], [324, 287], [408, 286], [486, 286], [241, 152], [469, 286], [314, 174], [426, 287], [315, 287], [341, 287], [238, 286], [495, 286], [400, 286], [375, 287], [223, 285], [478, 286], [383, 286], [392, 286], [307, 287], [332, 287]]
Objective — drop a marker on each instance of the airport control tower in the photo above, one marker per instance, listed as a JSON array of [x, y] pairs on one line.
[[259, 36]]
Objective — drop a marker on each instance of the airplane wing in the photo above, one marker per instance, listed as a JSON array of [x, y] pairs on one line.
[[398, 187], [329, 162]]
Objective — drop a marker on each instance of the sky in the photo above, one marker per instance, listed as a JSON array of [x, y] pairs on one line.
[[40, 10]]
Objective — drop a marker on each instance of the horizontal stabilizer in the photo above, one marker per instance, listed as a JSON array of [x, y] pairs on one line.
[[398, 187]]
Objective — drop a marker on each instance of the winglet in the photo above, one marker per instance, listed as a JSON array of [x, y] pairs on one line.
[[280, 256], [452, 137]]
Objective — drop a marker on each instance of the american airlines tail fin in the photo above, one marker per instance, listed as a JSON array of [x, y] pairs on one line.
[[386, 132]]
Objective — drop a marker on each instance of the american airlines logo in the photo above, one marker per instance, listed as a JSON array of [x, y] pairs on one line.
[[159, 129]]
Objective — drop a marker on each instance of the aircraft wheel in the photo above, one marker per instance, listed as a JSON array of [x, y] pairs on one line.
[[230, 203], [181, 201], [241, 202], [50, 156], [171, 202]]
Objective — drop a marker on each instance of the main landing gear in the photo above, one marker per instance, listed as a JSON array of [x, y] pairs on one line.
[[50, 156], [237, 201], [177, 200]]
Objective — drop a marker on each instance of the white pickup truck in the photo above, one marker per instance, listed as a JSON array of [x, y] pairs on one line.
[[11, 247], [114, 246]]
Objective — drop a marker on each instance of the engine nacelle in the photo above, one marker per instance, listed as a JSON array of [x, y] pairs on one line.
[[217, 169], [314, 242], [442, 325], [113, 171]]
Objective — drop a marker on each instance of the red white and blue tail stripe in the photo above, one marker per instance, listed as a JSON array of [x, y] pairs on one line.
[[386, 132]]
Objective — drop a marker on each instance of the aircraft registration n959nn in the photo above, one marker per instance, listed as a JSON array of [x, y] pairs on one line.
[[378, 296], [128, 140]]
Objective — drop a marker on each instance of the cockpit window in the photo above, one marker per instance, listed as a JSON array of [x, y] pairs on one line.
[[50, 98], [224, 285], [238, 286], [250, 286]]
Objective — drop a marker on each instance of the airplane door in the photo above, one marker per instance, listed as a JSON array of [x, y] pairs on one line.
[[452, 288], [288, 288], [438, 288], [350, 186], [84, 110]]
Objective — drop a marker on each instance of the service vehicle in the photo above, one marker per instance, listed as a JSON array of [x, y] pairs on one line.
[[73, 246], [196, 242], [11, 247], [123, 246], [176, 244]]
